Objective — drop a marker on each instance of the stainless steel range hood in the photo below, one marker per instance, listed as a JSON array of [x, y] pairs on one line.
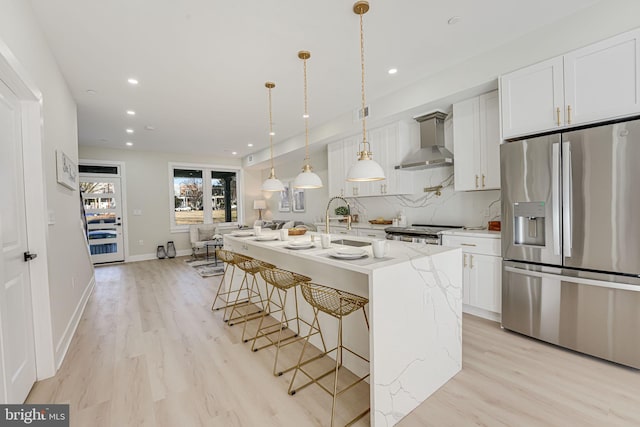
[[432, 152]]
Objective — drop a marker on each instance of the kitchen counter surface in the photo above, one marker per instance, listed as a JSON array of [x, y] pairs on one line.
[[473, 233], [414, 342]]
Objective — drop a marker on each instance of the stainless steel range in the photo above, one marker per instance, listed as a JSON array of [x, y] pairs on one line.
[[418, 233]]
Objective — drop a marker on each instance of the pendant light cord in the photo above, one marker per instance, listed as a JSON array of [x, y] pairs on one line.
[[364, 116], [270, 129], [306, 115]]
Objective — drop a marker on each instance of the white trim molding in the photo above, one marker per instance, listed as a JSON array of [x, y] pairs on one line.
[[16, 78]]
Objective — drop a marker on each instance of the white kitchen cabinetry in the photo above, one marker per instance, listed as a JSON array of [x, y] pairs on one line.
[[482, 272], [336, 229], [372, 233], [476, 142], [335, 164], [598, 82], [389, 145]]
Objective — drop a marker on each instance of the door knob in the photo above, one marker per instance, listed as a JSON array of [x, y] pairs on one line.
[[28, 256]]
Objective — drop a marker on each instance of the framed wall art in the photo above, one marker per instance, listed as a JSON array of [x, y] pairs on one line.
[[297, 196], [66, 170], [284, 205]]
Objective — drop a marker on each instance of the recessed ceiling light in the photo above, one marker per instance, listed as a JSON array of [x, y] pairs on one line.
[[129, 130], [249, 145], [392, 70], [272, 133], [234, 152], [149, 127], [131, 112], [91, 92], [133, 81], [129, 143], [454, 20], [305, 116]]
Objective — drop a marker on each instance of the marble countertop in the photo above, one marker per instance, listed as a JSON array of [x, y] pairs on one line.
[[397, 252], [472, 233]]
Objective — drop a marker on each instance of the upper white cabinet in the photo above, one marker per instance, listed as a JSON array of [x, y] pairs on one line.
[[476, 143], [335, 164], [389, 145], [595, 83]]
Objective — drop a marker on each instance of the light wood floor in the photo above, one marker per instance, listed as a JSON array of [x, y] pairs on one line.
[[149, 352]]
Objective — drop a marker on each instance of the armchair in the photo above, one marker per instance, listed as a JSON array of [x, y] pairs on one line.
[[200, 235]]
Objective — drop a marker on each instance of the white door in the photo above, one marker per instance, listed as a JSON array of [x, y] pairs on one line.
[[102, 200], [17, 350], [532, 98]]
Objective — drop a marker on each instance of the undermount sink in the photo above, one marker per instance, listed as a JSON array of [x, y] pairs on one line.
[[348, 242]]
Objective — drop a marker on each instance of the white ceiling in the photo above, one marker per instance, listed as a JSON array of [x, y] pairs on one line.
[[202, 64]]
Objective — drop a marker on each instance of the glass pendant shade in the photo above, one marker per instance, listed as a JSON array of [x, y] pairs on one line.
[[307, 179], [272, 183]]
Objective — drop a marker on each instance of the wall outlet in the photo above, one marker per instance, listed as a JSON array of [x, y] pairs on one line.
[[141, 242]]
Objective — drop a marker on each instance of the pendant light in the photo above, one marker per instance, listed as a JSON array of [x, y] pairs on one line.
[[365, 168], [307, 178], [272, 183]]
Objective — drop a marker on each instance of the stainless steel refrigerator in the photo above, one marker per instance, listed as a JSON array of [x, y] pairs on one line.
[[571, 239]]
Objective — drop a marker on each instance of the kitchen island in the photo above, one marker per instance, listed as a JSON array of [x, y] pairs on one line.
[[414, 342]]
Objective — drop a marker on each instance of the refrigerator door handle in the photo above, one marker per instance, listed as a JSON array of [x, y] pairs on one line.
[[555, 197], [579, 280], [567, 202]]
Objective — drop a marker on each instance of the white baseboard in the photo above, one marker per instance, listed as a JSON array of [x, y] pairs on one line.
[[485, 314], [147, 257], [65, 341]]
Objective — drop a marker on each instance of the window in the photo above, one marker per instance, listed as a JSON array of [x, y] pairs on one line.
[[189, 202]]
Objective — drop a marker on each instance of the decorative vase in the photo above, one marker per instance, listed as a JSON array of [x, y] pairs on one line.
[[161, 252], [171, 249]]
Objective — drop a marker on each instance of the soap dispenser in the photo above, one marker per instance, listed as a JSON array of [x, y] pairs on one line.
[[402, 219]]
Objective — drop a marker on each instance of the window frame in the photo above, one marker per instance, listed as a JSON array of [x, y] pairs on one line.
[[207, 205]]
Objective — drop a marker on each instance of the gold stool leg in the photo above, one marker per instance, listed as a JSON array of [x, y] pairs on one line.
[[227, 292], [244, 285], [338, 364]]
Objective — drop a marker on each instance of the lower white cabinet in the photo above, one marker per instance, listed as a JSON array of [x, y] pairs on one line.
[[372, 233], [482, 273]]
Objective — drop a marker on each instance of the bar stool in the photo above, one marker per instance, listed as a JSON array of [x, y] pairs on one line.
[[281, 282], [251, 267], [229, 260], [338, 304]]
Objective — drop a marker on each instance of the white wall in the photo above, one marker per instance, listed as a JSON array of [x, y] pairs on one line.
[[70, 270], [147, 189]]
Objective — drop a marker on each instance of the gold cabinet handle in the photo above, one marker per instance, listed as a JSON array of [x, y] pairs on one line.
[[482, 180], [476, 181], [568, 114], [558, 116], [464, 262], [470, 261], [467, 244]]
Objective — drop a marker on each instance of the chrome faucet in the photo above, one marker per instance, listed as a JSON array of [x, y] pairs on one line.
[[327, 217]]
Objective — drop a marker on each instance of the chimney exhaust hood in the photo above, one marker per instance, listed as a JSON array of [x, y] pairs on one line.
[[432, 152]]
